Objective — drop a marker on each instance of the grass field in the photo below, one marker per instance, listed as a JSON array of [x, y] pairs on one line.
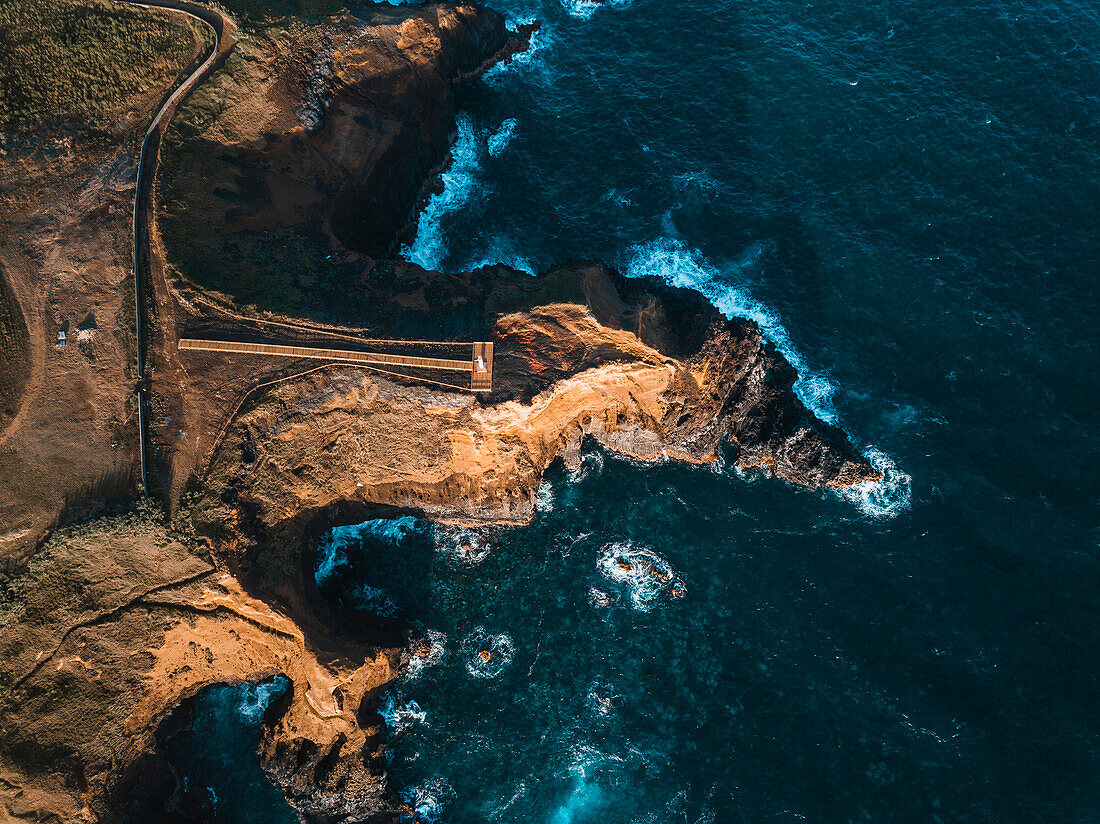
[[85, 62]]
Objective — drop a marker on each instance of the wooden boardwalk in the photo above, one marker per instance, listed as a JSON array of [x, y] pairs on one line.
[[479, 367], [481, 377]]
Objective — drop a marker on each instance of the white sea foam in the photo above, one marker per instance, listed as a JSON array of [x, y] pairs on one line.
[[400, 716], [590, 466], [601, 699], [435, 647], [600, 598], [644, 573], [487, 654], [544, 497], [501, 250], [428, 800], [530, 63], [498, 141], [430, 246], [883, 499], [331, 555], [615, 197], [256, 697], [460, 544], [584, 9], [332, 550], [460, 180], [678, 265]]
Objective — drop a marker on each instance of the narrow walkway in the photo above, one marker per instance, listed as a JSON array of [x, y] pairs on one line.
[[479, 367]]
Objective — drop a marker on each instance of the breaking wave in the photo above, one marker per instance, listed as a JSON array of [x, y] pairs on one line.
[[544, 497], [498, 141], [400, 716], [502, 250], [487, 654], [645, 575], [426, 802], [332, 550], [430, 246], [678, 265], [255, 698], [584, 9], [590, 466], [459, 544], [531, 62], [429, 654], [882, 499], [459, 182]]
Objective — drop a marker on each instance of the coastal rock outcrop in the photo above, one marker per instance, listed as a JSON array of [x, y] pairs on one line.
[[648, 371], [117, 622]]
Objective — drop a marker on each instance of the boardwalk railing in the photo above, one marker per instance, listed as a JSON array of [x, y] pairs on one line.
[[479, 367]]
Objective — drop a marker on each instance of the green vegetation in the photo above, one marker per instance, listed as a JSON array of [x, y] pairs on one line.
[[86, 62], [253, 15], [15, 367], [206, 182]]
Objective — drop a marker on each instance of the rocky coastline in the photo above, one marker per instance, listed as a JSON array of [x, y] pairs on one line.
[[646, 370]]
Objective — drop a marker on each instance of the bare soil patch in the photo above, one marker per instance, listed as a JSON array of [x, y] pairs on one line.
[[69, 438]]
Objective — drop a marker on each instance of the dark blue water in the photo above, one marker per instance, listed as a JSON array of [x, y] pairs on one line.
[[213, 749], [906, 196]]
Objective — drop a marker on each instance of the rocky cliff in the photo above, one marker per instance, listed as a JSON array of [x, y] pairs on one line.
[[117, 622], [288, 181], [648, 371]]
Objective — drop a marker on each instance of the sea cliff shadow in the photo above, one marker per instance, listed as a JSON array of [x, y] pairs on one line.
[[370, 567]]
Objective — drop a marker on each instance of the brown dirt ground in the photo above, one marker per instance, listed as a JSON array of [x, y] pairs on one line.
[[66, 248]]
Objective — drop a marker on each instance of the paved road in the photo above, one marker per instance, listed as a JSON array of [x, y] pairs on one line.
[[146, 175]]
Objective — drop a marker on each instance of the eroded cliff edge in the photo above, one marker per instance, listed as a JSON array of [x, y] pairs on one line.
[[289, 179], [649, 372]]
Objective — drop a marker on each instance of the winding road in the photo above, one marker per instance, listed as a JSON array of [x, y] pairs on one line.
[[223, 28]]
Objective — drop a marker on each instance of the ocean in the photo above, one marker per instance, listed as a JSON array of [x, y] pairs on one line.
[[906, 196]]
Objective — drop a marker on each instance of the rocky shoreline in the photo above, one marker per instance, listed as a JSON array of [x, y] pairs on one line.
[[646, 370]]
